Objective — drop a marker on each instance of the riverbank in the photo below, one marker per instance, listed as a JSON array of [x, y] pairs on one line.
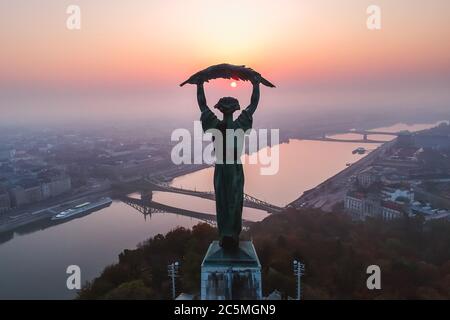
[[44, 212], [330, 192], [22, 217]]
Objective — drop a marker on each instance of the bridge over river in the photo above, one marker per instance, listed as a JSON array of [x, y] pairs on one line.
[[149, 207], [364, 139], [148, 185]]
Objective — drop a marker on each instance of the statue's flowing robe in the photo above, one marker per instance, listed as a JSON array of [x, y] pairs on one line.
[[228, 178]]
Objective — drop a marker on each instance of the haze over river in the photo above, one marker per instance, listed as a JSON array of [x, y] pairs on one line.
[[33, 263]]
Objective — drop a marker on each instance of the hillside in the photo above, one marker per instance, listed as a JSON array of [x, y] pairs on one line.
[[414, 259]]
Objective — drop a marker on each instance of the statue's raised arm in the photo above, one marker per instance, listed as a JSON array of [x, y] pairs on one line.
[[254, 99], [201, 98]]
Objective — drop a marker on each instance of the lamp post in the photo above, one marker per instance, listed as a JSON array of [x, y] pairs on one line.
[[299, 270], [173, 273]]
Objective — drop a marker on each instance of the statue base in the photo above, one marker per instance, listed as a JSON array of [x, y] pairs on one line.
[[231, 274]]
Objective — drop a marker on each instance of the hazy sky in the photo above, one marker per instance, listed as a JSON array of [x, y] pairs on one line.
[[130, 56]]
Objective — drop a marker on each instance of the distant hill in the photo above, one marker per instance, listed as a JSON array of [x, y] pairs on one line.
[[414, 259]]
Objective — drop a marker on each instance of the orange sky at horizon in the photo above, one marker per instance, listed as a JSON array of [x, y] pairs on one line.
[[157, 42], [152, 46]]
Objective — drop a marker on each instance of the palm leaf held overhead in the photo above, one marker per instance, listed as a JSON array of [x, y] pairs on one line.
[[227, 71]]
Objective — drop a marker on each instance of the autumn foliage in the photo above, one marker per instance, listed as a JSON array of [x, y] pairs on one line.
[[414, 259]]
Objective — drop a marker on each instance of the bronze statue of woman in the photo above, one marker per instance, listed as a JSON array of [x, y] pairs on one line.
[[228, 177]]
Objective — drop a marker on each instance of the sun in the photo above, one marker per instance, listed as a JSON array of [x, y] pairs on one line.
[[233, 84]]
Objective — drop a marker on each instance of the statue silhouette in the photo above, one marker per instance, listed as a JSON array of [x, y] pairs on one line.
[[228, 175]]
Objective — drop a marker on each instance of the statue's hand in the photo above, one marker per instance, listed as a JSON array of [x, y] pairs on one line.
[[256, 79], [199, 81]]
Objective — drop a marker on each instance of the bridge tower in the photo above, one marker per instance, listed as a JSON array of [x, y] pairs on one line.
[[146, 196]]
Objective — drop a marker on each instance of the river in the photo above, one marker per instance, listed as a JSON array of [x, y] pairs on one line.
[[33, 261]]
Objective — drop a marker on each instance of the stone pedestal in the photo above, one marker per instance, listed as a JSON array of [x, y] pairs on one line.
[[231, 275]]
